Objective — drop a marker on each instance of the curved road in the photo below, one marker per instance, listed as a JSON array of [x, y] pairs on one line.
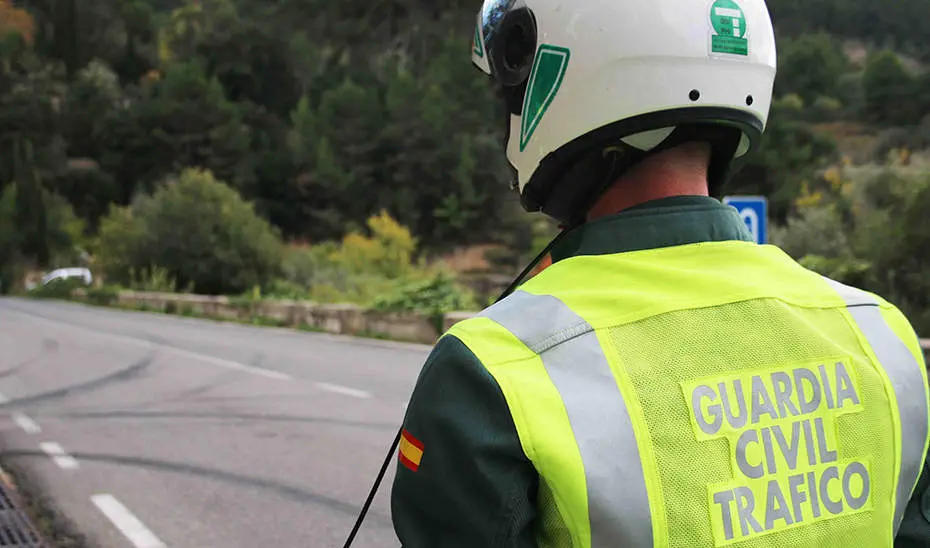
[[150, 431]]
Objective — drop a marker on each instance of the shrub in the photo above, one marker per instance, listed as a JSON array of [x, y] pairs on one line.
[[154, 279], [433, 296], [285, 289], [356, 270], [105, 295], [60, 288], [867, 226], [198, 230], [387, 252]]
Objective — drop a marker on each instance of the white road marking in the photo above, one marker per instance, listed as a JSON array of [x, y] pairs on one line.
[[343, 390], [267, 373], [27, 424], [62, 459], [128, 524], [403, 406]]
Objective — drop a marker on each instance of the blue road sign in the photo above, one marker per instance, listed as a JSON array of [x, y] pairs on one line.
[[754, 211]]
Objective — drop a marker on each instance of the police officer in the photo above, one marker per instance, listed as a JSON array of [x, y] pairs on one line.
[[666, 381]]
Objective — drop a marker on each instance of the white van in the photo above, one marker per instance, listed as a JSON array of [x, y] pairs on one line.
[[66, 273]]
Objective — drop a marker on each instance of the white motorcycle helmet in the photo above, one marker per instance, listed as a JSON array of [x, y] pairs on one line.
[[593, 86]]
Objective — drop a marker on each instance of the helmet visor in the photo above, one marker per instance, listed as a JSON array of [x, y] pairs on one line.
[[505, 54]]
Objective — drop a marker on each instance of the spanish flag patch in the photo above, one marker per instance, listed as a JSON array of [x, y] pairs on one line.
[[411, 451]]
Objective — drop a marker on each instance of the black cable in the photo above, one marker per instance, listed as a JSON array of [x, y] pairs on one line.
[[374, 489], [387, 460]]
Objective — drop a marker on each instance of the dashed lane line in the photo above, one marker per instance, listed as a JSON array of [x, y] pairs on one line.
[[28, 425], [344, 390], [59, 456], [138, 534]]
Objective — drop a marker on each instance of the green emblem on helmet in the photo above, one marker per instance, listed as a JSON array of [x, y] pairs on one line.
[[729, 24], [479, 49], [545, 80]]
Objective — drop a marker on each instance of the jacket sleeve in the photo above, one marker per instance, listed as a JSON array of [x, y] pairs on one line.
[[473, 485], [915, 528]]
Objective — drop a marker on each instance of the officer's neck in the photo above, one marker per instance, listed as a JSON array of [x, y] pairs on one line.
[[681, 171]]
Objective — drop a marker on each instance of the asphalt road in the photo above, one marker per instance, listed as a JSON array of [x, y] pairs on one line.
[[150, 430]]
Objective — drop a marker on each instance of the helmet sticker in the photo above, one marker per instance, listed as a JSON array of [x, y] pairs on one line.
[[544, 82], [479, 48], [729, 26]]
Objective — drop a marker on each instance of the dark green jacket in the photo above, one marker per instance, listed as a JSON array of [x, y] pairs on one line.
[[474, 486]]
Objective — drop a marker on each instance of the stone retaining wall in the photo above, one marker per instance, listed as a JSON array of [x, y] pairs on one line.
[[333, 318]]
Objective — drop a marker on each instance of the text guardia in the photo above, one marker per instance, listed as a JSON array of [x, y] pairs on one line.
[[783, 446]]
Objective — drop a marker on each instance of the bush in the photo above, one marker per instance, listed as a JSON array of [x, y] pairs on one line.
[[387, 252], [106, 295], [845, 229], [432, 296], [153, 279], [198, 231], [888, 89], [60, 288], [356, 270], [284, 289], [904, 139], [826, 109]]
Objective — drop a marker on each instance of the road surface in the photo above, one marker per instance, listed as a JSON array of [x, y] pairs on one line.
[[150, 431]]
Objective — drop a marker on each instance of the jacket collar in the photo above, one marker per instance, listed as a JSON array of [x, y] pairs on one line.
[[666, 222]]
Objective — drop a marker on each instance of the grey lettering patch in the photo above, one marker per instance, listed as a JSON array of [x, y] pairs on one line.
[[807, 404], [761, 403], [737, 421], [832, 506], [745, 505], [826, 454], [797, 497], [858, 469], [775, 507], [845, 389], [748, 470], [827, 389], [710, 428], [724, 498], [789, 450], [782, 383]]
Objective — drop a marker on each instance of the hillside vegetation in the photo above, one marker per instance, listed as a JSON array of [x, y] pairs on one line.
[[327, 139]]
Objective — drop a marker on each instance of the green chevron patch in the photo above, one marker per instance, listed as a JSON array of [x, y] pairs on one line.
[[479, 49], [545, 79]]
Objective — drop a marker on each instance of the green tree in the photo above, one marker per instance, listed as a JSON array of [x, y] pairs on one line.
[[894, 24], [196, 228], [183, 120], [29, 213], [888, 87], [810, 66], [9, 239], [76, 31], [93, 96], [790, 153]]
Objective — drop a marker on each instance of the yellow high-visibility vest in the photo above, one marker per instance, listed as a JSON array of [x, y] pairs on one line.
[[713, 394]]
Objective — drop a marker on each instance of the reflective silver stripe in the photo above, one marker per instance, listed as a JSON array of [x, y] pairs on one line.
[[539, 321], [907, 381], [618, 504]]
